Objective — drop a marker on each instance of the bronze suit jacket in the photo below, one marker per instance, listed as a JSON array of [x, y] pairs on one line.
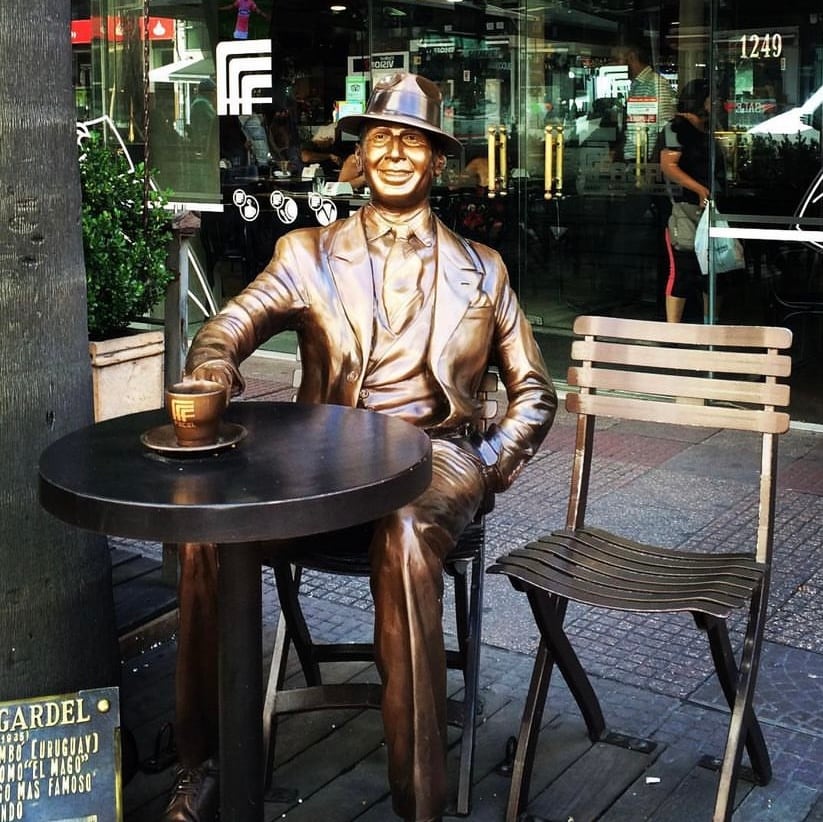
[[319, 283]]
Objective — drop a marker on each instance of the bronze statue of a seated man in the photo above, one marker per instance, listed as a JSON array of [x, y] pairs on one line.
[[395, 313]]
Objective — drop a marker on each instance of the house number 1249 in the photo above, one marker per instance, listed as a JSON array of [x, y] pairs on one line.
[[753, 46]]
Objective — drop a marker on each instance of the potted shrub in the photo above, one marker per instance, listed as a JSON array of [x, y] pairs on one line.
[[126, 234]]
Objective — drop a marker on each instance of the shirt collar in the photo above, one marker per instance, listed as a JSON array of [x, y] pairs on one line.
[[420, 224]]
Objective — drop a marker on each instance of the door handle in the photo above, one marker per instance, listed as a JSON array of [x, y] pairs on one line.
[[641, 144], [497, 144], [553, 162]]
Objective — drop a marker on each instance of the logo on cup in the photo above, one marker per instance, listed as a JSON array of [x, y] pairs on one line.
[[182, 412]]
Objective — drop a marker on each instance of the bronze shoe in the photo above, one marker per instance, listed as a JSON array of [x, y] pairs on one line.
[[195, 796]]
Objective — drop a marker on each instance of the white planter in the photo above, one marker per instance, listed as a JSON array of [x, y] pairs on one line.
[[127, 374]]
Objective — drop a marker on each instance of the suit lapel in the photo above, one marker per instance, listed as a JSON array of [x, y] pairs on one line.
[[457, 284], [350, 267]]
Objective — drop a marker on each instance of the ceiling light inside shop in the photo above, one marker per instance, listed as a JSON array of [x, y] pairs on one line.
[[337, 9]]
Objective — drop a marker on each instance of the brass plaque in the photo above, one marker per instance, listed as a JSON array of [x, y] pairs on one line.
[[60, 758]]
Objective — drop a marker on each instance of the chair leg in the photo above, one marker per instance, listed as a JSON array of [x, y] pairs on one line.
[[743, 725], [287, 578], [549, 612], [291, 630], [470, 646], [277, 675], [728, 675], [529, 733], [461, 604]]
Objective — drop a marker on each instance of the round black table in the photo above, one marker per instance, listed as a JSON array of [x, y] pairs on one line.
[[299, 470]]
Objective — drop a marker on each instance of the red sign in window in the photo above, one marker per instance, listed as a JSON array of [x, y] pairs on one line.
[[80, 32], [160, 28]]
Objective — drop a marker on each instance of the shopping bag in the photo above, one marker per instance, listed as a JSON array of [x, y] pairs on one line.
[[727, 252]]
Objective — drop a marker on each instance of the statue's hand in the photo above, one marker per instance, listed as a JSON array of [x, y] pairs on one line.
[[215, 372]]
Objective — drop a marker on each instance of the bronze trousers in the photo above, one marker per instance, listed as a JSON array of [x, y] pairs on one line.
[[406, 555]]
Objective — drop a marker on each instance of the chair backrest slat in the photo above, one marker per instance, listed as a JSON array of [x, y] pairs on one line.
[[707, 416], [489, 408], [666, 385], [747, 336], [489, 383], [682, 359]]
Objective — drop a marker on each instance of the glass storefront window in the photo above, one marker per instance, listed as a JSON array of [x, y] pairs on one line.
[[558, 108]]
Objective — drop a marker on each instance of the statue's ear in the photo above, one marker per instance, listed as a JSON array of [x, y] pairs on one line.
[[439, 164]]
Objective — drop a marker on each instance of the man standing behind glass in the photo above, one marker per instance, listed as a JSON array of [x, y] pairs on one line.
[[652, 95], [397, 314]]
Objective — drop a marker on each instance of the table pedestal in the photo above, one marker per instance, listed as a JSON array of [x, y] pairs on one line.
[[241, 684]]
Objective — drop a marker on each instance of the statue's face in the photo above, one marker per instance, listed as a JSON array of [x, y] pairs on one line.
[[399, 164]]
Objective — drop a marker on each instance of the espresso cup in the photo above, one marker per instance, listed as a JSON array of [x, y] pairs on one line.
[[195, 408]]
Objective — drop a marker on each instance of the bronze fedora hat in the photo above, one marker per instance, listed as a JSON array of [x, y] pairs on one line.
[[406, 99]]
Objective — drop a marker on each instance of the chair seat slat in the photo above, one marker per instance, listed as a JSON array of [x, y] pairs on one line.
[[743, 573], [571, 558], [645, 548], [609, 547], [608, 587], [640, 602]]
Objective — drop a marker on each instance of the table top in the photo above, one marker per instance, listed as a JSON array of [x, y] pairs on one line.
[[301, 469]]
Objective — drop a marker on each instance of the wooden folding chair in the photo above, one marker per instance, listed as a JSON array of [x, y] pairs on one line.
[[723, 377]]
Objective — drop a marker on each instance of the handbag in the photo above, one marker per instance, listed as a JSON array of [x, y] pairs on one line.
[[683, 225], [727, 252]]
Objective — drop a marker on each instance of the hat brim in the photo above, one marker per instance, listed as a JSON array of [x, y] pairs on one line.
[[352, 123]]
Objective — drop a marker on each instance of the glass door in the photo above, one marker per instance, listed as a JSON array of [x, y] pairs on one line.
[[598, 84], [621, 84]]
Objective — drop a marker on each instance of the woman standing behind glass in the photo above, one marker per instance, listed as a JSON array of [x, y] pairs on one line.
[[685, 161]]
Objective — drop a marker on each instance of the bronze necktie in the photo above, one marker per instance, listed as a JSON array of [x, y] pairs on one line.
[[402, 297]]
